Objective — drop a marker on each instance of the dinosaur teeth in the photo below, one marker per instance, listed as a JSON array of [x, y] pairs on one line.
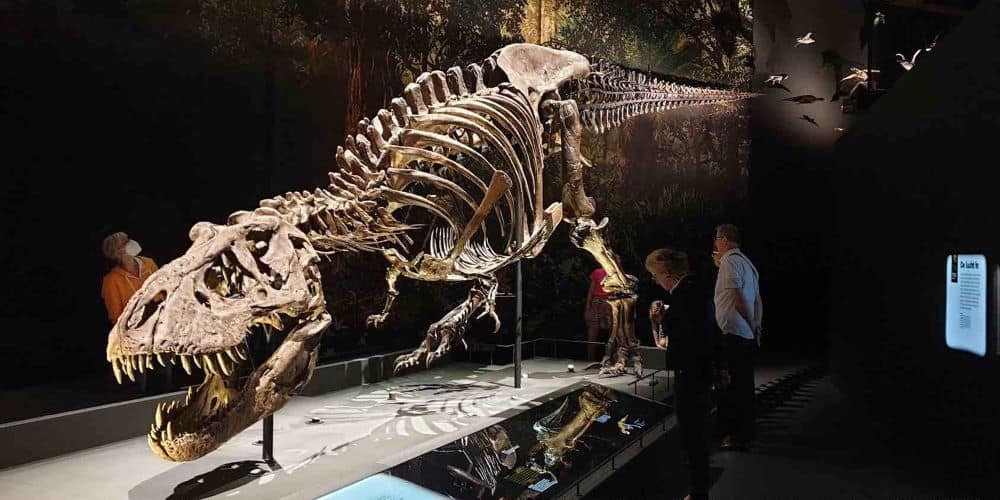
[[117, 369], [186, 363], [170, 431], [127, 365], [159, 415], [232, 356], [197, 361], [159, 359], [209, 365], [190, 393], [222, 364]]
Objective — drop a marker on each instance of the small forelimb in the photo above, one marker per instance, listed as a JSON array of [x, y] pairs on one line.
[[391, 275]]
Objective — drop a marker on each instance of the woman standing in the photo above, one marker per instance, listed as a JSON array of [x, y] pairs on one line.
[[597, 313]]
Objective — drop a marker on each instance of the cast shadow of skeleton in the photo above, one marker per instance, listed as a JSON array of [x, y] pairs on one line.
[[384, 404]]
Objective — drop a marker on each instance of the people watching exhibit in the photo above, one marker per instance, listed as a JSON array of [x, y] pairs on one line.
[[738, 312], [683, 323], [129, 273]]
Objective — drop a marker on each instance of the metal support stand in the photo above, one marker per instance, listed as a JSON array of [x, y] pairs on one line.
[[518, 309], [517, 327], [269, 439]]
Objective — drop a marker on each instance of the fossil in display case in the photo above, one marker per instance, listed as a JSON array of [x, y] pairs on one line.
[[446, 185]]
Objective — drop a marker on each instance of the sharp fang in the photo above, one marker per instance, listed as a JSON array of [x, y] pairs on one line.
[[159, 359], [209, 365], [159, 415], [229, 352], [141, 363], [172, 359], [196, 359], [186, 363], [170, 431], [189, 394], [239, 352], [127, 365], [223, 365], [117, 369], [163, 434], [148, 358]]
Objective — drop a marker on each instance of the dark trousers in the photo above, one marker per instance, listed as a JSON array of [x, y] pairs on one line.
[[736, 404], [693, 392]]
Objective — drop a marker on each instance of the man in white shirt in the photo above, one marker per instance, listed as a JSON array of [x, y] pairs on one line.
[[738, 311]]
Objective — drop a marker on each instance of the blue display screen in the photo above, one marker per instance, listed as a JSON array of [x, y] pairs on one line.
[[965, 310]]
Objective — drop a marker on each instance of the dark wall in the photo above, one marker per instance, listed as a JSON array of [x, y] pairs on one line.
[[914, 182], [787, 221]]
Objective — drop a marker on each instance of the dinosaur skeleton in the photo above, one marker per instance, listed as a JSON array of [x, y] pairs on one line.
[[446, 184]]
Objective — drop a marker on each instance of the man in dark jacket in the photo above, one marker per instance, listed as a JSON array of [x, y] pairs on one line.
[[684, 323]]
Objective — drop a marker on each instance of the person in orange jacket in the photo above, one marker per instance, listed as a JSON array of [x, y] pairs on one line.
[[127, 276]]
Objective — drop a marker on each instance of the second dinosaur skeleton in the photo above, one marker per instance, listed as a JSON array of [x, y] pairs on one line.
[[446, 184]]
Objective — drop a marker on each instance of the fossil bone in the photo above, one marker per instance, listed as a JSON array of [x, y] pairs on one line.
[[455, 163]]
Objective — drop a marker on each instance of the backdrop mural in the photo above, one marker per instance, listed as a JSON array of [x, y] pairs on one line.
[[187, 110]]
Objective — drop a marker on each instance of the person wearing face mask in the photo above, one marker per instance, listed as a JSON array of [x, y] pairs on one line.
[[129, 273]]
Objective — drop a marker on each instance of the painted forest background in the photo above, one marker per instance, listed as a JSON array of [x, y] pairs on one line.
[[187, 110]]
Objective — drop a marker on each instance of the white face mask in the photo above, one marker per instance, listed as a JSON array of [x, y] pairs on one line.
[[132, 248]]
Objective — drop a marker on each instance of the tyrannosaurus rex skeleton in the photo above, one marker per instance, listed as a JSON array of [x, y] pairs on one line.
[[446, 185]]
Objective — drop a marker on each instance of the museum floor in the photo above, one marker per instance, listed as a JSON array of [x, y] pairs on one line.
[[322, 443], [811, 444]]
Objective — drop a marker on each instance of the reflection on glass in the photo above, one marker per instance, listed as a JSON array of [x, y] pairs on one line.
[[539, 452]]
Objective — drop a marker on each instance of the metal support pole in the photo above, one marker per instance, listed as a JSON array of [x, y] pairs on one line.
[[518, 308], [269, 438], [518, 322]]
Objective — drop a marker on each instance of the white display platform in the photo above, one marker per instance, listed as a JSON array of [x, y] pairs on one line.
[[361, 431]]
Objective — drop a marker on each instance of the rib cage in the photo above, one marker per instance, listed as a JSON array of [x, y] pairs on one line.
[[424, 165]]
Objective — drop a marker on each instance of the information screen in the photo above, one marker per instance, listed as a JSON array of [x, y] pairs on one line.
[[965, 311]]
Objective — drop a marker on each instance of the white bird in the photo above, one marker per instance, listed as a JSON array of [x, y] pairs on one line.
[[805, 39], [859, 74], [776, 79], [879, 18], [908, 65]]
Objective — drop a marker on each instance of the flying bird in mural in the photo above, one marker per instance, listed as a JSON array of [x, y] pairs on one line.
[[879, 18], [860, 77], [908, 65], [776, 82], [806, 39], [809, 119], [804, 99]]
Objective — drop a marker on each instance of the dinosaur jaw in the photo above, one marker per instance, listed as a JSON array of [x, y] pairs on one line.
[[226, 403]]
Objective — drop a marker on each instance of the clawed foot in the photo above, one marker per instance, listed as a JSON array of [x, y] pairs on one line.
[[406, 362], [376, 320], [445, 338], [438, 343]]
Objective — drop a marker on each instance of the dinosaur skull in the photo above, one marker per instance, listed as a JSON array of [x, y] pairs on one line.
[[256, 275]]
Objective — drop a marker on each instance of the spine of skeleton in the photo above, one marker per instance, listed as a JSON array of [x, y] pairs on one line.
[[613, 94]]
